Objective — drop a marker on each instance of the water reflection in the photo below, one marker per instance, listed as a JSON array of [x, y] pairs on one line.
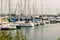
[[26, 31], [42, 32]]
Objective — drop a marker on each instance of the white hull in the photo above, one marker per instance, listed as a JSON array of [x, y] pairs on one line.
[[27, 25]]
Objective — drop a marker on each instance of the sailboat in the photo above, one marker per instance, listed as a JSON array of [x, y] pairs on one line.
[[2, 19], [13, 17], [4, 23], [39, 20], [23, 23]]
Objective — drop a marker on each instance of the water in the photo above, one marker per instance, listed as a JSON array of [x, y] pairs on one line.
[[43, 32]]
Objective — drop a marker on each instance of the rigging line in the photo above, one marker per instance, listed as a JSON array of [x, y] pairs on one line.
[[9, 8], [1, 6], [24, 5], [34, 11], [16, 8], [29, 6], [41, 7], [20, 6], [22, 9], [1, 12]]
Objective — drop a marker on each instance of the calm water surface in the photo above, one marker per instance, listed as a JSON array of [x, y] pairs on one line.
[[42, 32]]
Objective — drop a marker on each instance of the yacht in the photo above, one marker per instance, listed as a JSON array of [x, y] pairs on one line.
[[29, 24]]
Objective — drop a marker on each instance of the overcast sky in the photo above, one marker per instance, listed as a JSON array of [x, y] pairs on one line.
[[33, 6]]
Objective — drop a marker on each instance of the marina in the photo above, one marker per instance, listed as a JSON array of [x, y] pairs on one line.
[[29, 20], [30, 30]]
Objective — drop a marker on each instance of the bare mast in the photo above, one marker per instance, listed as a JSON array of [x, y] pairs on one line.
[[9, 9], [29, 11], [41, 7], [1, 12], [16, 8], [34, 10], [23, 9], [1, 7]]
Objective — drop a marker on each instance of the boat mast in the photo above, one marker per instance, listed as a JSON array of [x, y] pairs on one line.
[[1, 7], [34, 9], [29, 11], [1, 12], [42, 38], [23, 9], [41, 9], [9, 9], [16, 8]]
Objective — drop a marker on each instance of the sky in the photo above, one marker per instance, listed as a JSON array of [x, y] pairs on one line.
[[32, 6]]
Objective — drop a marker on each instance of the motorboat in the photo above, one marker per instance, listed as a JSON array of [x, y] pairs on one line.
[[7, 27], [3, 20], [29, 24]]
